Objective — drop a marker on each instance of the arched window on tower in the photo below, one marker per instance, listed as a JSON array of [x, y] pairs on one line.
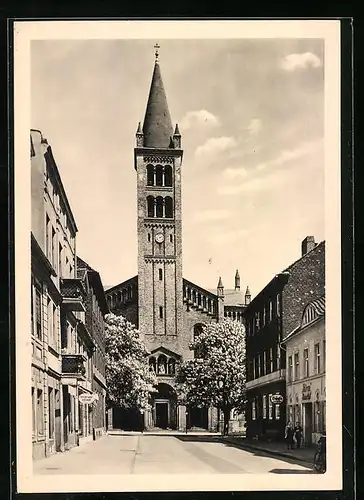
[[129, 293], [150, 175], [159, 175], [124, 295], [194, 296], [168, 176], [160, 203], [119, 296], [150, 205], [197, 330], [169, 206]]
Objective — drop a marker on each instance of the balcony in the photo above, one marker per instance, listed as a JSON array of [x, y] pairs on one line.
[[275, 376], [73, 365], [73, 293]]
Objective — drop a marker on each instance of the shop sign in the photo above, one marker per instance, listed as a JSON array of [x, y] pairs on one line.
[[276, 398], [87, 398], [306, 392]]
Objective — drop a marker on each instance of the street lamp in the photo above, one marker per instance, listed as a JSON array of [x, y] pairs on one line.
[[142, 415], [186, 420]]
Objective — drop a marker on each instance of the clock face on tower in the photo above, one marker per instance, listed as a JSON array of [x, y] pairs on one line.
[[159, 238]]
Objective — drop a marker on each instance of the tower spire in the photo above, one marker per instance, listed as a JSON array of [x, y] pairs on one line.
[[157, 127], [237, 280]]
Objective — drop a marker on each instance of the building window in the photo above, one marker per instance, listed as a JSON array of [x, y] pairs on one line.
[[278, 357], [305, 361], [258, 365], [271, 361], [33, 413], [296, 366], [264, 406], [270, 310], [159, 176], [148, 236], [160, 274], [54, 247], [51, 412], [38, 312], [168, 207], [50, 322], [161, 312], [150, 206], [317, 358], [168, 176], [47, 233], [159, 206], [150, 175], [270, 408], [278, 305], [290, 369], [264, 367], [254, 411], [171, 238], [40, 416], [278, 411], [323, 355]]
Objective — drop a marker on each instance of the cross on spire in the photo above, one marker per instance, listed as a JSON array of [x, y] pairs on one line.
[[156, 46]]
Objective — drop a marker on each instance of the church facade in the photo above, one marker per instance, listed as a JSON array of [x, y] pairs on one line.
[[168, 310]]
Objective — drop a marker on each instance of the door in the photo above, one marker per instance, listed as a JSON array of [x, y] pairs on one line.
[[161, 413], [65, 413], [58, 423], [198, 417], [308, 424]]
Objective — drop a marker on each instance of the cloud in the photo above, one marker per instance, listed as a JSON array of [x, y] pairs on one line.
[[258, 180], [198, 118], [216, 145], [254, 126], [235, 173], [300, 61], [212, 215]]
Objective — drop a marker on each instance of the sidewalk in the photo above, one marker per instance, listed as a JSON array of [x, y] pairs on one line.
[[279, 449]]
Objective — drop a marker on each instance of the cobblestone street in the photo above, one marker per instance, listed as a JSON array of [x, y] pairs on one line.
[[134, 453]]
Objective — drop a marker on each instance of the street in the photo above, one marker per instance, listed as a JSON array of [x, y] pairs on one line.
[[134, 453]]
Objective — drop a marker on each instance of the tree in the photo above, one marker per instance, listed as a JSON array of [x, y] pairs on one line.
[[128, 378], [217, 376]]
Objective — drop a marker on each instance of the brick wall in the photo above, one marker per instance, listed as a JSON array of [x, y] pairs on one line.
[[306, 283]]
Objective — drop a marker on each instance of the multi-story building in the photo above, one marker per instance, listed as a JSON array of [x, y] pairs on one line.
[[168, 309], [62, 345], [269, 318], [96, 308], [305, 372]]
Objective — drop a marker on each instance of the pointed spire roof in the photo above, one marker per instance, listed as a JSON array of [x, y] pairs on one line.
[[237, 275], [157, 127], [247, 291], [220, 285], [176, 130], [139, 131]]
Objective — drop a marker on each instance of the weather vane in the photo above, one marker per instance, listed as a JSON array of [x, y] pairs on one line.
[[156, 46]]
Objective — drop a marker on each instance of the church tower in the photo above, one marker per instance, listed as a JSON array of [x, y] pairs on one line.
[[157, 160]]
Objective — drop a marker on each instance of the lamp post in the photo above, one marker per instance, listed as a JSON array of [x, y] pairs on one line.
[[220, 385], [142, 415], [186, 420]]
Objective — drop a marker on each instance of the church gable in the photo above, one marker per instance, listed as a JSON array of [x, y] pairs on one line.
[[164, 350]]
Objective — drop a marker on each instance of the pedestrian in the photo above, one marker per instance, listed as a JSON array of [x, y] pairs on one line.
[[298, 431], [288, 435]]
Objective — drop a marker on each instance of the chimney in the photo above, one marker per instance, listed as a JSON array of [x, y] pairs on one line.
[[308, 244]]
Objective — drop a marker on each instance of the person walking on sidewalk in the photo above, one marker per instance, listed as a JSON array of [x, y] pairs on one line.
[[288, 435], [298, 431]]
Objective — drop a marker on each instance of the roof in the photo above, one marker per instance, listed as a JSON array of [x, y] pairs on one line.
[[313, 312], [157, 127], [84, 269], [121, 284], [233, 297]]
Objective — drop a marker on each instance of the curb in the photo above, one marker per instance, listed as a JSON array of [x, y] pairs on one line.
[[269, 452]]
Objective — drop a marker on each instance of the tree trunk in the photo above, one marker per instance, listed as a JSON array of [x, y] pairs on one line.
[[226, 412]]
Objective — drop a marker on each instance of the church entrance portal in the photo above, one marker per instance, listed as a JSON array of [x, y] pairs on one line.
[[161, 414], [164, 407]]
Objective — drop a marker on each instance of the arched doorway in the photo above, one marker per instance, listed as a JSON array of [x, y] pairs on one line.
[[164, 407]]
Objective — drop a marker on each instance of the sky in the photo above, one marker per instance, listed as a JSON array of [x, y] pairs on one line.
[[251, 116]]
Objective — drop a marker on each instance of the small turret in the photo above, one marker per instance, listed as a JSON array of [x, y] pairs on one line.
[[237, 280], [139, 136], [220, 300], [248, 296], [177, 138]]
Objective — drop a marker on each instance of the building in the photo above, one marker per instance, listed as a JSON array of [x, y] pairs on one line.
[[168, 309], [305, 372], [96, 308], [269, 318], [62, 344]]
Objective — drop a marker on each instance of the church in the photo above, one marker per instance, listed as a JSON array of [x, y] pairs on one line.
[[168, 310]]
